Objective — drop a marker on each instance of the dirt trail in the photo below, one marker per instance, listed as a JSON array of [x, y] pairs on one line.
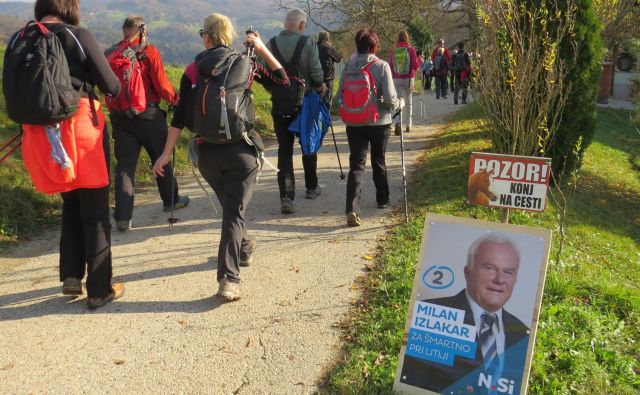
[[169, 333]]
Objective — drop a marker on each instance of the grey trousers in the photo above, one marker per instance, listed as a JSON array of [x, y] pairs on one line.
[[230, 169], [404, 88]]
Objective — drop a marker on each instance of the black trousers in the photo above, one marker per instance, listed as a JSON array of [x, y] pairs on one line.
[[460, 85], [230, 169], [130, 135], [426, 80], [85, 239], [359, 139], [286, 178]]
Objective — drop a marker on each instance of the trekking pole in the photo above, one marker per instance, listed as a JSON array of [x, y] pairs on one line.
[[404, 173], [6, 145], [171, 219], [335, 144]]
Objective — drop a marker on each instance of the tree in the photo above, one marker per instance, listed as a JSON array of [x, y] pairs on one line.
[[521, 78], [578, 122]]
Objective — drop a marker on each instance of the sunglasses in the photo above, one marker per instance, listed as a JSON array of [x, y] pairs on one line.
[[201, 32]]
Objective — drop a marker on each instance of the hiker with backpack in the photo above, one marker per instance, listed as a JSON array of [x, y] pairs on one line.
[[427, 74], [48, 82], [137, 119], [299, 56], [441, 72], [367, 98], [328, 56], [447, 55], [216, 104], [404, 63], [461, 67]]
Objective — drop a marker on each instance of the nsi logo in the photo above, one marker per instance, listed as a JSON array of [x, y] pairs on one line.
[[504, 386]]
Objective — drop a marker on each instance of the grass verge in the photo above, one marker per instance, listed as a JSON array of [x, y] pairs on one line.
[[588, 339]]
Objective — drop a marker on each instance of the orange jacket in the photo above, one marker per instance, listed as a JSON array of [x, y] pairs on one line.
[[83, 143]]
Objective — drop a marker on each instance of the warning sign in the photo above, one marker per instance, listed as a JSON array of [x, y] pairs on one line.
[[518, 182]]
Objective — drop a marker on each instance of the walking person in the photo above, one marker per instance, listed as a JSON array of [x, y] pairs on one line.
[[328, 56], [441, 71], [404, 63], [372, 131], [147, 130], [82, 142], [447, 55], [299, 56], [427, 74], [461, 67], [229, 167]]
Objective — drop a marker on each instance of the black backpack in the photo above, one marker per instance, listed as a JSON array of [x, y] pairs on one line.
[[460, 62], [36, 80], [223, 109], [287, 100]]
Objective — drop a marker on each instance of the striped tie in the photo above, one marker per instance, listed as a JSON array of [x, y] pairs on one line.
[[488, 339]]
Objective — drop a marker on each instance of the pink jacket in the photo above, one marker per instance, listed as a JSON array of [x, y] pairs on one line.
[[415, 63]]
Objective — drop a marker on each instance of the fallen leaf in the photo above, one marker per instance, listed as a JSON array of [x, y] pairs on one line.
[[379, 360], [182, 322], [295, 269], [365, 371], [8, 366], [284, 303], [368, 257], [300, 383], [250, 342], [119, 362], [291, 358]]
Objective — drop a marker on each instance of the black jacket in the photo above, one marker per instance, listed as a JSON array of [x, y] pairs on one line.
[[328, 56]]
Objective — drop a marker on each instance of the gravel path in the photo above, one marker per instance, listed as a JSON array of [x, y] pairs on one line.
[[169, 334]]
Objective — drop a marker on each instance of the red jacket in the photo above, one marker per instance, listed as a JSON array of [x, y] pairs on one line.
[[156, 83], [415, 63]]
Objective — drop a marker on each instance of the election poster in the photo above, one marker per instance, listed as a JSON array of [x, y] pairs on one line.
[[518, 182], [474, 308]]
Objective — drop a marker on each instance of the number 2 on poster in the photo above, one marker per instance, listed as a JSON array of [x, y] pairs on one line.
[[438, 277]]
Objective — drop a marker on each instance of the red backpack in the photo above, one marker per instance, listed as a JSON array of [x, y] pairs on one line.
[[359, 96], [125, 63]]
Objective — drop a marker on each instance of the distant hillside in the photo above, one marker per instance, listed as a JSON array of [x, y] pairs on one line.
[[173, 24]]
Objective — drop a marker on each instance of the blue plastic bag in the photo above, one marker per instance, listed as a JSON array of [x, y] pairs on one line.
[[312, 123]]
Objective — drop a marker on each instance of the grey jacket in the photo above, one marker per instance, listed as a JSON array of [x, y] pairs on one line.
[[388, 102], [309, 66]]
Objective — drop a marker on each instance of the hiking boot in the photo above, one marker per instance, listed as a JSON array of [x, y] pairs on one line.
[[229, 291], [313, 193], [117, 290], [408, 130], [286, 206], [398, 129], [123, 226], [384, 205], [353, 219], [246, 258], [182, 202], [72, 286]]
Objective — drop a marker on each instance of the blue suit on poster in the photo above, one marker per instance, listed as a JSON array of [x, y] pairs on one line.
[[504, 378]]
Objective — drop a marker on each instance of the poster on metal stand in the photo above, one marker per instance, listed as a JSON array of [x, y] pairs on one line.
[[474, 308]]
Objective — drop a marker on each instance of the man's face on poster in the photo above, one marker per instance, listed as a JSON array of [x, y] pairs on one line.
[[491, 278]]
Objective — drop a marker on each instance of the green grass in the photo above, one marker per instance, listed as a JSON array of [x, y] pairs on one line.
[[588, 339], [25, 213]]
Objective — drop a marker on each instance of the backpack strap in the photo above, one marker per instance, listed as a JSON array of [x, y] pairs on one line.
[[92, 95], [367, 69], [295, 58]]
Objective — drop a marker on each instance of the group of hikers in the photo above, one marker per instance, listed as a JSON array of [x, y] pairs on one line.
[[66, 151]]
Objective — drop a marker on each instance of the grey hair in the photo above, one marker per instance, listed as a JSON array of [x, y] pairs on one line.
[[295, 17], [490, 238]]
